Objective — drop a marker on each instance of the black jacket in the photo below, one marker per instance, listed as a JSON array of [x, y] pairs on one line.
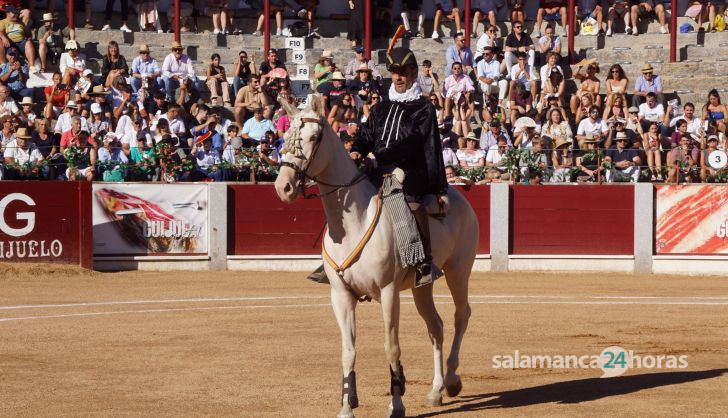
[[405, 135]]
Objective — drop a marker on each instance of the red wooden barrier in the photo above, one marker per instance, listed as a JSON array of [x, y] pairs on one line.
[[260, 224], [46, 222], [584, 219]]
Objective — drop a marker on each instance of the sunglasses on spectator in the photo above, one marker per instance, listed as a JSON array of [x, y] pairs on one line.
[[375, 97], [615, 71], [621, 140], [491, 30], [517, 27]]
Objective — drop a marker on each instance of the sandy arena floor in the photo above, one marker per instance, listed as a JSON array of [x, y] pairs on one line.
[[266, 345]]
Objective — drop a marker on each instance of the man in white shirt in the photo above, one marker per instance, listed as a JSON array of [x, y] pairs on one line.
[[7, 104], [176, 124], [593, 125], [489, 77], [694, 124], [651, 111], [496, 154], [18, 152], [63, 123], [523, 73], [177, 68]]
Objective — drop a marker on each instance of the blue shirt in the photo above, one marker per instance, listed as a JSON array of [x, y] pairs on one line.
[[452, 55], [14, 82], [216, 138], [256, 130], [140, 66]]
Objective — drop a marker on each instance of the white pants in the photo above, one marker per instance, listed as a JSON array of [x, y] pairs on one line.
[[633, 173], [500, 88], [511, 59]]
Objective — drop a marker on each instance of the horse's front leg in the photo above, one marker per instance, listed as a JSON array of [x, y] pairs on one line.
[[390, 311], [427, 310], [344, 304]]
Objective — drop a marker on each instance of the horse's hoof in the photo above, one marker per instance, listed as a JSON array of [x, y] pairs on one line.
[[433, 399], [454, 388], [348, 414], [399, 413]]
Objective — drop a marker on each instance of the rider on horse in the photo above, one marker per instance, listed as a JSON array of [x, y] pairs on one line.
[[403, 133]]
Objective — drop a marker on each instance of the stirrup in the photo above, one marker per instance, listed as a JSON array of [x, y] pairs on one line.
[[427, 273], [318, 275]]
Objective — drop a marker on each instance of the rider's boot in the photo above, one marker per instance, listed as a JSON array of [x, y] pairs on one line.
[[318, 275], [426, 271]]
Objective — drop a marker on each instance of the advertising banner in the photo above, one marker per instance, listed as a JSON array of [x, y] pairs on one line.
[[691, 219], [150, 219], [45, 222]]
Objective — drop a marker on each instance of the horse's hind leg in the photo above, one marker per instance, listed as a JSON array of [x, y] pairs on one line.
[[344, 305], [426, 308], [457, 276]]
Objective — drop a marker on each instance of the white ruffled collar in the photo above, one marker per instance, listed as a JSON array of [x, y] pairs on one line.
[[412, 94]]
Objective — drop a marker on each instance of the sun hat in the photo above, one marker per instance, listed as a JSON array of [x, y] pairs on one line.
[[338, 76], [48, 17], [143, 48], [22, 133], [71, 45], [647, 68]]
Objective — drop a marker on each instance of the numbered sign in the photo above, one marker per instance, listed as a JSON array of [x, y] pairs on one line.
[[301, 87], [718, 159], [302, 71], [296, 44], [298, 57]]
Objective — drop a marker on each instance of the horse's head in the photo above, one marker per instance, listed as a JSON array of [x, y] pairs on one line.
[[300, 150]]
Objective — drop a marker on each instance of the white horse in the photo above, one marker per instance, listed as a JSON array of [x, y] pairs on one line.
[[313, 151]]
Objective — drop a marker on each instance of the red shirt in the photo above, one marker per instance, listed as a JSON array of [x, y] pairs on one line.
[[69, 138], [58, 99]]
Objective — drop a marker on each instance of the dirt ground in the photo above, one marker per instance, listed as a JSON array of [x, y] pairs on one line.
[[261, 344]]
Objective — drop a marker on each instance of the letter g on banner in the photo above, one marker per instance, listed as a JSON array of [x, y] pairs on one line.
[[28, 217]]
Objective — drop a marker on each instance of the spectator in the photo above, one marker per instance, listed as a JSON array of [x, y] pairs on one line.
[[489, 77], [363, 85], [518, 42], [490, 134], [700, 10], [63, 124], [7, 134], [414, 6], [590, 9], [707, 172], [15, 34], [588, 160], [98, 95], [145, 71], [616, 83], [332, 90], [324, 68], [341, 112], [618, 109], [458, 90], [276, 9], [490, 38], [442, 12], [72, 63], [484, 9], [19, 152], [219, 11], [56, 96], [471, 156], [651, 111], [242, 71], [23, 11], [652, 142], [495, 158], [272, 62], [256, 127], [308, 11], [98, 122], [453, 178], [522, 87], [14, 74], [556, 126], [206, 126], [550, 43], [174, 120], [27, 116], [551, 11], [682, 162], [591, 126], [373, 99], [111, 151], [524, 133], [8, 107], [449, 157], [248, 98], [562, 159], [517, 12], [618, 9], [643, 9], [217, 82], [176, 70], [124, 14], [51, 40], [458, 52], [534, 161], [149, 16], [694, 125], [352, 131], [350, 72], [589, 84], [625, 161], [713, 110], [114, 64], [48, 145], [429, 81], [356, 22]]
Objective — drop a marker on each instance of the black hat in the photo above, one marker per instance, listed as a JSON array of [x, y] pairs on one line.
[[400, 57]]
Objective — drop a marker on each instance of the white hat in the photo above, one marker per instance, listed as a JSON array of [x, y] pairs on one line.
[[87, 72], [72, 104], [71, 45], [95, 108]]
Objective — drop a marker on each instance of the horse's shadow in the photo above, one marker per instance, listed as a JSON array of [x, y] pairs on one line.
[[571, 392]]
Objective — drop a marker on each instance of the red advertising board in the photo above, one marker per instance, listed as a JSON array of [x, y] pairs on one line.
[[583, 219], [46, 222], [691, 219], [260, 224]]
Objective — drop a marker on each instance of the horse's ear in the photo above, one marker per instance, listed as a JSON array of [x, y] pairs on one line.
[[290, 109], [316, 104]]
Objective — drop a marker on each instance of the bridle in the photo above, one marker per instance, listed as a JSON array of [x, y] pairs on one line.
[[301, 172]]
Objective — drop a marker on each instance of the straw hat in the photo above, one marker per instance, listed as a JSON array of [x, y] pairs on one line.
[[524, 122], [144, 48], [338, 76], [364, 67], [26, 101], [647, 68], [49, 17], [633, 109], [621, 135], [327, 54], [72, 104], [99, 90], [589, 139], [177, 45], [22, 133], [560, 142]]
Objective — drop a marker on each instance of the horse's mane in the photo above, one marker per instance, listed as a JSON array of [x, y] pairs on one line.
[[292, 138]]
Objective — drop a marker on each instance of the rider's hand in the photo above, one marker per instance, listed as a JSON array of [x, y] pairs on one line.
[[355, 155]]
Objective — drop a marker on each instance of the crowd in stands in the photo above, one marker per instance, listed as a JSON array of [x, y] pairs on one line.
[[504, 111]]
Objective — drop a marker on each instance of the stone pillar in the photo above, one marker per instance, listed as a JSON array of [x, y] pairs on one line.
[[499, 226], [644, 231], [217, 225]]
